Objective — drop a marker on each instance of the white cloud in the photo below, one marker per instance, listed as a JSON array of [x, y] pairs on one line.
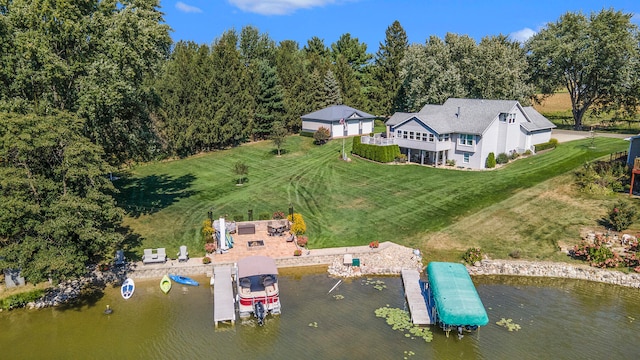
[[187, 8], [522, 35], [277, 7]]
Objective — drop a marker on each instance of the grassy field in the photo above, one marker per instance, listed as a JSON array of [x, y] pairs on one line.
[[352, 203], [557, 108]]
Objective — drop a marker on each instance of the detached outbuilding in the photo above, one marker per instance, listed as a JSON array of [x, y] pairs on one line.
[[341, 120]]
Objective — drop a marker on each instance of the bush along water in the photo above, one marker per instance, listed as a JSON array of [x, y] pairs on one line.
[[472, 255]]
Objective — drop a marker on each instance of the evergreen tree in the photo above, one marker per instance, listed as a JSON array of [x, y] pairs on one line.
[[294, 78], [269, 103], [331, 90], [387, 68]]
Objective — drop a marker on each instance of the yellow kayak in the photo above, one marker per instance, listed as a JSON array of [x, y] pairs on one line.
[[165, 284]]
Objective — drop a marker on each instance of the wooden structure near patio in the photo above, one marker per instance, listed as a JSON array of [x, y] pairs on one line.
[[223, 303]]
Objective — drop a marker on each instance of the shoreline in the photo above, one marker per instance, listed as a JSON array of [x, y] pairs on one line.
[[388, 259]]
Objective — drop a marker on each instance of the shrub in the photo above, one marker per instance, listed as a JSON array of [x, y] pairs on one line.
[[548, 145], [472, 255], [374, 244], [491, 160], [621, 215], [206, 260], [597, 254], [298, 226], [451, 162], [527, 153], [210, 247], [207, 230], [278, 215], [302, 241], [401, 158], [602, 177], [264, 216], [502, 158], [20, 300], [297, 252], [321, 136], [514, 155], [515, 254]]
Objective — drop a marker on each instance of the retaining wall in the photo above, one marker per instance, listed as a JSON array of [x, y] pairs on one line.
[[554, 270]]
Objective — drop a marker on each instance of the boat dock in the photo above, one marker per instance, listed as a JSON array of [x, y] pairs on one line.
[[415, 299], [223, 302]]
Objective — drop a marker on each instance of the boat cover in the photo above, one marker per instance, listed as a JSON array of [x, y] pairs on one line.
[[455, 296], [256, 265]]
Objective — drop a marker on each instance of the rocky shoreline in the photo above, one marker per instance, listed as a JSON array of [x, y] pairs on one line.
[[554, 270], [390, 260]]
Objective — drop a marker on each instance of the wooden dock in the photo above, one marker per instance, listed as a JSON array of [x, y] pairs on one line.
[[223, 302], [415, 299]]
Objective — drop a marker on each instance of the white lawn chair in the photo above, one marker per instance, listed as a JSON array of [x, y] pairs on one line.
[[183, 255], [119, 258]]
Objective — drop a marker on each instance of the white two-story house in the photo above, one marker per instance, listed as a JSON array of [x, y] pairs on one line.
[[467, 130]]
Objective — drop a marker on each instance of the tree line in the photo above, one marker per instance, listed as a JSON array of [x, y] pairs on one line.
[[88, 86]]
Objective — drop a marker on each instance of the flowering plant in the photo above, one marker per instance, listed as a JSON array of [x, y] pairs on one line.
[[278, 215], [472, 255], [302, 241], [374, 244], [209, 247], [297, 252]]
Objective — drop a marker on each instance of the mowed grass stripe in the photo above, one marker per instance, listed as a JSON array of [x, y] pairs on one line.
[[343, 203]]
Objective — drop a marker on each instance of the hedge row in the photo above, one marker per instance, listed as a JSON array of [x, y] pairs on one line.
[[548, 145], [383, 154]]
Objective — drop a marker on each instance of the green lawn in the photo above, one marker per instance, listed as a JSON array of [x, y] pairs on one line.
[[343, 203]]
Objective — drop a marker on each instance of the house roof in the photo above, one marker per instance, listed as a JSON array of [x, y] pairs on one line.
[[336, 113], [470, 116], [537, 121]]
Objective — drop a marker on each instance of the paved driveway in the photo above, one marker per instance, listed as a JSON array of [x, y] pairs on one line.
[[570, 135]]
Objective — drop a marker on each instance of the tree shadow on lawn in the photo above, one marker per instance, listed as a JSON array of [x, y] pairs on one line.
[[150, 194]]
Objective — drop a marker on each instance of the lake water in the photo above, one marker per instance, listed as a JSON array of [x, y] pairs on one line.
[[559, 319]]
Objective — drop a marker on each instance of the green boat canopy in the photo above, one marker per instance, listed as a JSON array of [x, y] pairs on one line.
[[455, 297]]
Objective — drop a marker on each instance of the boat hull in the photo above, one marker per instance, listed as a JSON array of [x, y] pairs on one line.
[[165, 284], [184, 280], [128, 288]]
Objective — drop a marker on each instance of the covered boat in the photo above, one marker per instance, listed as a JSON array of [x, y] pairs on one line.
[[455, 301], [258, 291]]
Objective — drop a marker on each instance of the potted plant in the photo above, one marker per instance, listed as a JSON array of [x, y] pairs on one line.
[[297, 252], [374, 244], [206, 260]]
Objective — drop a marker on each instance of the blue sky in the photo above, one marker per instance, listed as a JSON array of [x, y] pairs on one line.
[[203, 21]]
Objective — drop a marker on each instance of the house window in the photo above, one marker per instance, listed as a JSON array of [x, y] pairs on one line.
[[404, 135], [411, 135], [425, 137], [465, 158], [512, 118], [399, 133], [431, 137], [465, 139], [446, 137]]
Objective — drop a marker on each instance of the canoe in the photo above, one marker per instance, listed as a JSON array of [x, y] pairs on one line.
[[127, 288], [165, 284], [184, 280]]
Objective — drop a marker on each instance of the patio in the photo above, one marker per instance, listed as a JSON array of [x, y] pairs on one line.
[[257, 243]]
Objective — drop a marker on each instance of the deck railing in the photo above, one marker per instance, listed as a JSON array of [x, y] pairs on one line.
[[378, 140]]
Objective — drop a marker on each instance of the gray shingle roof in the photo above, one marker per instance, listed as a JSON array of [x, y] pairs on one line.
[[337, 112], [538, 122], [470, 116]]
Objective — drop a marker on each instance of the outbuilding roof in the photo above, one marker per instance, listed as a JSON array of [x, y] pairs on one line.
[[336, 113]]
